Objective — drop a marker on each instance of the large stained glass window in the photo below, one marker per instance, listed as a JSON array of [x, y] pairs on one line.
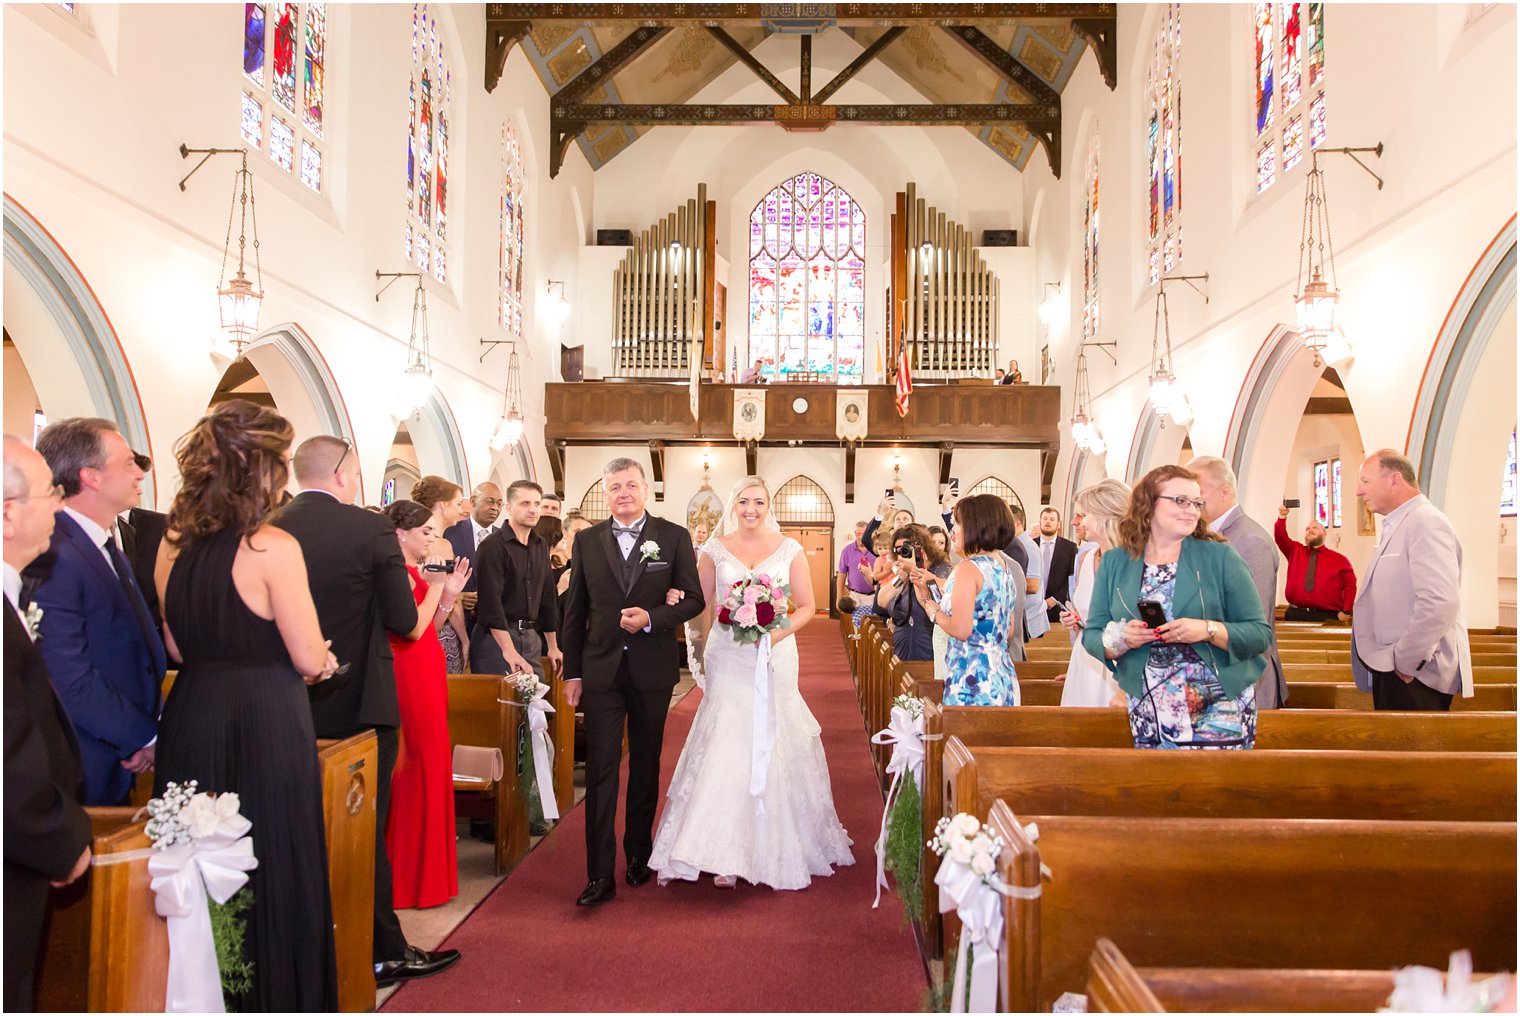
[[1322, 493], [1507, 491], [511, 226], [429, 119], [1288, 51], [1335, 493], [283, 102], [1163, 145], [807, 280], [1090, 245]]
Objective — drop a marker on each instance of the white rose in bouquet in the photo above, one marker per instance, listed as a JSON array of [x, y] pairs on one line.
[[965, 825], [227, 805], [982, 844], [200, 816], [960, 851], [983, 864]]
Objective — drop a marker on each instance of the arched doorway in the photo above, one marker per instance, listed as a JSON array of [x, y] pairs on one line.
[[806, 514], [58, 330], [429, 440], [1464, 415]]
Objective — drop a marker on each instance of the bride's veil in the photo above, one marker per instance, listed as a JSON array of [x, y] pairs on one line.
[[729, 523]]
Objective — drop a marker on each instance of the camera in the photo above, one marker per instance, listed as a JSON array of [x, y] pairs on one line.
[[908, 551], [447, 567]]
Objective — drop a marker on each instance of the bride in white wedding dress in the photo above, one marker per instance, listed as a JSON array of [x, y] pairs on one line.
[[751, 797]]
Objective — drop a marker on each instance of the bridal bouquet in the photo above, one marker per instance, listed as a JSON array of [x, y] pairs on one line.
[[754, 607]]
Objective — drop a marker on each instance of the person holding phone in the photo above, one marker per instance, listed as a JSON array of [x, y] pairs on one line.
[[913, 558], [1177, 620]]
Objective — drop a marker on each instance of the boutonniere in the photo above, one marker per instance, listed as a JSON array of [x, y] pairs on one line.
[[32, 616], [649, 551]]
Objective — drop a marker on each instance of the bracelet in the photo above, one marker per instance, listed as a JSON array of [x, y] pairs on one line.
[[444, 608]]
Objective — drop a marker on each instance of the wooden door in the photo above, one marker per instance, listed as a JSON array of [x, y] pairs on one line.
[[818, 545]]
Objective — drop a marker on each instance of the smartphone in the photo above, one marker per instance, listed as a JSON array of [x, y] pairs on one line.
[[934, 591], [955, 483], [1070, 609], [1152, 614], [891, 492], [1290, 502]]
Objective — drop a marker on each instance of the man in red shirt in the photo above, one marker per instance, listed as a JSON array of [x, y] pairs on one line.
[[1321, 583]]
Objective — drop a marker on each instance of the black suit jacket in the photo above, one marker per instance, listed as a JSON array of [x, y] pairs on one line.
[[590, 633], [461, 536], [46, 828], [141, 533], [1063, 561], [358, 581]]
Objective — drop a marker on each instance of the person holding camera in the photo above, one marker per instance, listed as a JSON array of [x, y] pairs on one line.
[[913, 559], [419, 831], [517, 613], [449, 506]]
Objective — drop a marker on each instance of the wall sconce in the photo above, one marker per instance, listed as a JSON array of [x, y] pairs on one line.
[[238, 300], [1050, 307], [562, 305], [417, 378]]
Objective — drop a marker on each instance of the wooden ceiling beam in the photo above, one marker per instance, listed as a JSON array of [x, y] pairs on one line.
[[756, 14], [614, 60], [1102, 34], [868, 54], [501, 36], [1020, 74], [747, 58], [878, 114]]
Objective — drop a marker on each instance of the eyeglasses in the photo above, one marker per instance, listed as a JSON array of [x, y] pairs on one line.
[[1183, 502], [54, 493], [348, 446]]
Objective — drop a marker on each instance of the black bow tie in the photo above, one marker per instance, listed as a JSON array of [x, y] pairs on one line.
[[618, 530]]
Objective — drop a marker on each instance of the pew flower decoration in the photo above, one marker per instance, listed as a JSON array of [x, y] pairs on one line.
[[201, 857], [1424, 989], [535, 750], [902, 817], [754, 607]]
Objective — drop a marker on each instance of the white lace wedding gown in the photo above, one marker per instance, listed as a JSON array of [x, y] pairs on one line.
[[711, 822]]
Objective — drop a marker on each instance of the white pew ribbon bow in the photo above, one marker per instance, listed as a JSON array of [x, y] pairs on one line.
[[978, 902], [905, 733], [539, 709], [183, 876]]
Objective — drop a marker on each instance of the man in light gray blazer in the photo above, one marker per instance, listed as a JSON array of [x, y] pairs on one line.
[[1217, 484], [1408, 636]]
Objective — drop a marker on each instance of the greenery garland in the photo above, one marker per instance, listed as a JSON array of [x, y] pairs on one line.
[[905, 846], [229, 926], [527, 777]]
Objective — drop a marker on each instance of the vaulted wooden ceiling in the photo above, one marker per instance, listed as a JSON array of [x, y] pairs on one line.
[[616, 70]]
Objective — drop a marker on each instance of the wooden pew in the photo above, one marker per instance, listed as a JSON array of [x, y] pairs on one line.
[[480, 715], [1114, 985], [1371, 785], [1243, 892], [1319, 695], [1340, 673], [348, 806]]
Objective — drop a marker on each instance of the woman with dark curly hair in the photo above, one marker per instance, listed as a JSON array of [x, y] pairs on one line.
[[1177, 620], [447, 503], [239, 616]]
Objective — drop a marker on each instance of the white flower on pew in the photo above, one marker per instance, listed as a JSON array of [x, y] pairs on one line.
[[910, 704], [533, 695], [969, 884], [1424, 989]]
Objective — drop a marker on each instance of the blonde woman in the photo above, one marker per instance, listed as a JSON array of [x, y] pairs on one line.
[[1101, 506]]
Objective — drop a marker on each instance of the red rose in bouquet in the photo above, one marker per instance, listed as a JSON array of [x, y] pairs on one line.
[[723, 616], [765, 613]]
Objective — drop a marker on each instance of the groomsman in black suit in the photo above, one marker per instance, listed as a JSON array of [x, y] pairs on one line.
[[1059, 558], [359, 583], [104, 654], [141, 531], [468, 533], [47, 833], [620, 642]]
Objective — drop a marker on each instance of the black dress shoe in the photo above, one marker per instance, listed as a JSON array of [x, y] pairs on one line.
[[638, 873], [415, 964], [597, 892]]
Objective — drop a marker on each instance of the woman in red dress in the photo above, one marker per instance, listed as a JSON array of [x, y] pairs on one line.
[[419, 833]]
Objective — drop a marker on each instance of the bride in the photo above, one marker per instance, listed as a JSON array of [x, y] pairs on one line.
[[742, 806]]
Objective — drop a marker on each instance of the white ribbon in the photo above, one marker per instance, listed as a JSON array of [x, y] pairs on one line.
[[183, 876], [979, 904], [765, 723], [905, 733], [543, 752]]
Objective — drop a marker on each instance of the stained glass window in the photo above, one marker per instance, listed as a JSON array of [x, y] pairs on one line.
[[1335, 493], [510, 240], [1090, 246], [807, 271], [1164, 144], [1288, 47], [1507, 491], [293, 101], [429, 102], [1322, 493]]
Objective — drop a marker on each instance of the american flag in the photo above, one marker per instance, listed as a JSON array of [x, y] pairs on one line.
[[904, 379]]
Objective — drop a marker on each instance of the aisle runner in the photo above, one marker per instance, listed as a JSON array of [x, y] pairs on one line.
[[694, 947]]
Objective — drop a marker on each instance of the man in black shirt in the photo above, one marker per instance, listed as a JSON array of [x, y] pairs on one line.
[[517, 612]]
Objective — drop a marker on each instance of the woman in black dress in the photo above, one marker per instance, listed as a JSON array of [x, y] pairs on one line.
[[239, 615]]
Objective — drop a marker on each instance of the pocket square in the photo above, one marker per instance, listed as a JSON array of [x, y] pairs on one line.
[[657, 565]]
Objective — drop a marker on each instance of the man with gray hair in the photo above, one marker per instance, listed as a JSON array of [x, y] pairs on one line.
[[1409, 643], [1221, 498]]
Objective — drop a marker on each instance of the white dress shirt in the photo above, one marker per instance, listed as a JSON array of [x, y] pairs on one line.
[[480, 531], [627, 541], [98, 535], [13, 588]]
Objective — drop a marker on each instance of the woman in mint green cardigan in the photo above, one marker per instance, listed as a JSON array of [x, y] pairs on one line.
[[1190, 681]]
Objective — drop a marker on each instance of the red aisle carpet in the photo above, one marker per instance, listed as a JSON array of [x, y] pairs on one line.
[[692, 947]]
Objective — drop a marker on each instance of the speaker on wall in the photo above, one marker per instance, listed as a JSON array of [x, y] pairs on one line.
[[614, 238], [1000, 238]]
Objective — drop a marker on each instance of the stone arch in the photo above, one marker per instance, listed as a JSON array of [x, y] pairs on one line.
[[63, 333], [440, 447], [1271, 401], [301, 382], [1156, 441], [1076, 479]]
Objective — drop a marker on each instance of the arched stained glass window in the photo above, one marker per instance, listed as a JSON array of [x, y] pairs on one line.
[[284, 99], [800, 501], [1288, 43], [594, 503], [1507, 488], [1090, 246], [429, 120], [996, 487], [511, 226], [807, 280], [1163, 144]]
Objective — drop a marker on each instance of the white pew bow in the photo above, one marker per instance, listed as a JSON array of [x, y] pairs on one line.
[[905, 733], [978, 902], [539, 709]]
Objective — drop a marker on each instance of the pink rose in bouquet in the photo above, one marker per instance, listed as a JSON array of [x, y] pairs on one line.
[[753, 607]]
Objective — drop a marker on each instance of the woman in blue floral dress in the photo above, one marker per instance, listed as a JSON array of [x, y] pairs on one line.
[[976, 608]]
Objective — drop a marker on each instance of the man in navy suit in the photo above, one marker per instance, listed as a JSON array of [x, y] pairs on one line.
[[103, 653], [467, 534]]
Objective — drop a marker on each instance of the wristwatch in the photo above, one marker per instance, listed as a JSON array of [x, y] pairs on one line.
[[1211, 628]]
